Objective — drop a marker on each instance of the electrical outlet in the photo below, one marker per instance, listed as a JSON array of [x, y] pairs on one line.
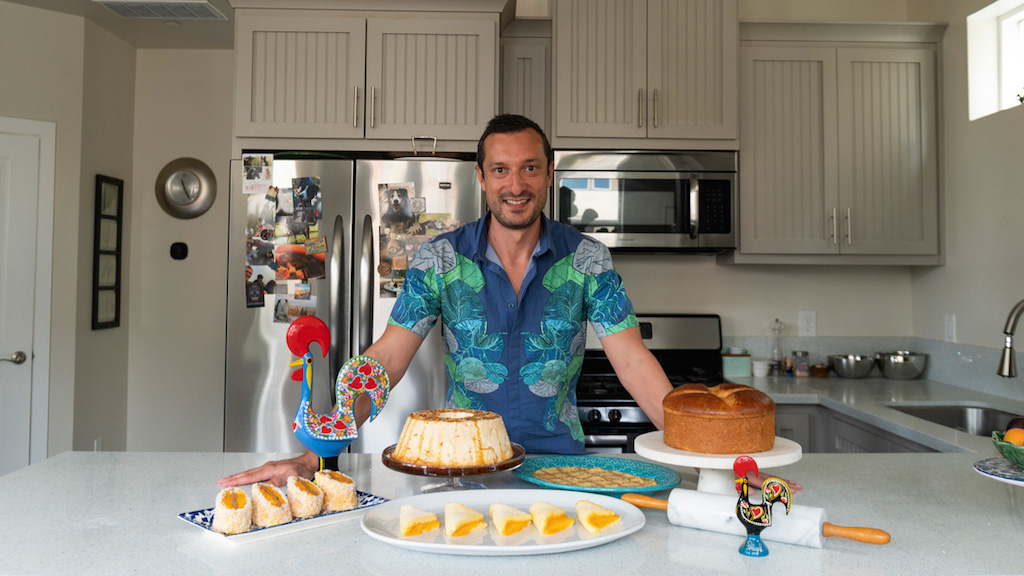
[[808, 322], [951, 328]]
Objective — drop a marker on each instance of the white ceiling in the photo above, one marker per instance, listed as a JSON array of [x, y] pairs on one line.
[[144, 33]]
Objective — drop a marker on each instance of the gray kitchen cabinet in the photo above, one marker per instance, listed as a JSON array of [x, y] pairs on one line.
[[822, 430], [661, 73], [337, 74], [526, 70], [839, 152]]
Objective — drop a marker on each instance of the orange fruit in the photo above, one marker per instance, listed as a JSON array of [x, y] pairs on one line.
[[1014, 436]]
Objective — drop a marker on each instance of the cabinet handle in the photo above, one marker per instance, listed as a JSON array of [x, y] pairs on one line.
[[373, 106], [640, 108], [849, 227], [655, 107], [355, 106], [835, 226]]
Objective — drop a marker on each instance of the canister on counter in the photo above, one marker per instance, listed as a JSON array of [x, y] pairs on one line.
[[736, 363], [802, 363]]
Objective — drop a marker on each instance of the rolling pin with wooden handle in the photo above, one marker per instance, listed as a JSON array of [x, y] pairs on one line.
[[804, 525]]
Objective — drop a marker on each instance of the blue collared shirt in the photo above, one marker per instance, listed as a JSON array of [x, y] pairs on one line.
[[518, 357]]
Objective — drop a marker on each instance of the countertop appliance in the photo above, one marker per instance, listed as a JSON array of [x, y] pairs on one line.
[[646, 201], [689, 348], [331, 237]]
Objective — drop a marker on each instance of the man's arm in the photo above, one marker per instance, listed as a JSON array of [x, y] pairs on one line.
[[394, 350], [638, 371]]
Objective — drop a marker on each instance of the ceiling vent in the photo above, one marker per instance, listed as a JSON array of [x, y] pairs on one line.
[[179, 10]]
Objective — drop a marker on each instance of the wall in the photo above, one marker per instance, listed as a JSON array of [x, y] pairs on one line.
[[183, 107], [983, 277], [101, 356], [41, 66]]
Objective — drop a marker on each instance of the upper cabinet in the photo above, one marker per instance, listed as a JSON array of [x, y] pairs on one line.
[[661, 73], [839, 146], [348, 75]]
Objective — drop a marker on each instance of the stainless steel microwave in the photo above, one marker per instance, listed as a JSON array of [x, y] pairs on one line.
[[645, 201]]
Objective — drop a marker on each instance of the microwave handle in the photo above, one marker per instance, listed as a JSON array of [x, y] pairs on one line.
[[694, 206]]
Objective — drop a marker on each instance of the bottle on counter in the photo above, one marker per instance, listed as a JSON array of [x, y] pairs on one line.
[[802, 363], [776, 357]]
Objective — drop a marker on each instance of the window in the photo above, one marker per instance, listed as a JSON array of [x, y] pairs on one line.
[[1011, 58], [995, 57]]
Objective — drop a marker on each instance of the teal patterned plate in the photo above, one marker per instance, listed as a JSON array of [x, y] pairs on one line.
[[663, 477]]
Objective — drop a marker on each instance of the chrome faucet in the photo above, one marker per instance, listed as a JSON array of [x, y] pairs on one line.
[[1008, 362]]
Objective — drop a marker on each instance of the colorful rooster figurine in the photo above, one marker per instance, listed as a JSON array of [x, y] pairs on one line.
[[328, 434], [757, 517]]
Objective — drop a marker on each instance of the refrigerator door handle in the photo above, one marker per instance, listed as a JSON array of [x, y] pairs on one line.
[[335, 311], [365, 336]]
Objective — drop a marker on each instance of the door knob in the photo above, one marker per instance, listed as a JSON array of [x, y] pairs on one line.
[[18, 358]]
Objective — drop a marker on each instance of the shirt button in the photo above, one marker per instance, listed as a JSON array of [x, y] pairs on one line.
[[511, 305]]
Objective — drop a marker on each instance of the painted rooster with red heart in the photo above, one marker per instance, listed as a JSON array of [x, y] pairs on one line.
[[757, 517], [328, 434]]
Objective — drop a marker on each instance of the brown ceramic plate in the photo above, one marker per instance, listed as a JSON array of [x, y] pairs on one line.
[[518, 453]]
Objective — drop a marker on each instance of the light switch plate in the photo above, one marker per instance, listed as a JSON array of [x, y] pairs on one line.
[[808, 323]]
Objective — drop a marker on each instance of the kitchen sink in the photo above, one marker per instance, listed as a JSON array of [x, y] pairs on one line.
[[978, 420]]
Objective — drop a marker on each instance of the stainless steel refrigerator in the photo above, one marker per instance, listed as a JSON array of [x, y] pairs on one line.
[[331, 237]]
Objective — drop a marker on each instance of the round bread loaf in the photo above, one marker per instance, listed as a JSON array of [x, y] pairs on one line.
[[723, 419]]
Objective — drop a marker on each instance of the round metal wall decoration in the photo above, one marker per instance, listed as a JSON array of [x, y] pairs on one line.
[[186, 188]]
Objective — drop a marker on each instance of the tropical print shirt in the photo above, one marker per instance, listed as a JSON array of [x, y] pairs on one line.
[[519, 358]]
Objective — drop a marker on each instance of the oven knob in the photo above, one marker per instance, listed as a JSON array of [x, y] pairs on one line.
[[594, 416], [614, 415]]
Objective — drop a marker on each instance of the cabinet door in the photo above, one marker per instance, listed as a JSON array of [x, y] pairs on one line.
[[692, 48], [887, 150], [431, 77], [525, 77], [788, 155], [299, 75], [601, 64]]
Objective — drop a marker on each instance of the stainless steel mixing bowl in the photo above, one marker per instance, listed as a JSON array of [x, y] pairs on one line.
[[902, 364], [851, 365]]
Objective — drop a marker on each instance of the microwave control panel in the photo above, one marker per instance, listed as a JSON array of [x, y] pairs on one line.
[[715, 207]]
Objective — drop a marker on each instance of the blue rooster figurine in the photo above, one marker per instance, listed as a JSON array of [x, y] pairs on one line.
[[757, 517], [327, 435]]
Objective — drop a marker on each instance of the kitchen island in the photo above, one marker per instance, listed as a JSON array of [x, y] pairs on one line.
[[116, 513]]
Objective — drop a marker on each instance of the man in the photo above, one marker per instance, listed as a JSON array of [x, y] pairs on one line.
[[514, 292]]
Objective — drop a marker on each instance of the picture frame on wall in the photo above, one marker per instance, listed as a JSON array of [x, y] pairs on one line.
[[106, 267]]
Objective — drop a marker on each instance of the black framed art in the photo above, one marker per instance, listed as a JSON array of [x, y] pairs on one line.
[[106, 260]]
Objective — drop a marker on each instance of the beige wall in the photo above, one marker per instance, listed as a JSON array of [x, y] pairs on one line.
[[41, 78], [984, 276], [183, 107], [101, 356]]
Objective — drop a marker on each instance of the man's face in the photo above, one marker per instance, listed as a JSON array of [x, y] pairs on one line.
[[515, 177]]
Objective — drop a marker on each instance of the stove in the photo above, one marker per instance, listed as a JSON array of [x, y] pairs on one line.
[[689, 349]]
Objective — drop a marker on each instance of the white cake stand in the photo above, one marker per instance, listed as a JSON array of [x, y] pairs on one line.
[[716, 475]]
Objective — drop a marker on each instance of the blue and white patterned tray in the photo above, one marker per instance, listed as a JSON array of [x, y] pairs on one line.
[[204, 519], [1000, 469], [663, 477]]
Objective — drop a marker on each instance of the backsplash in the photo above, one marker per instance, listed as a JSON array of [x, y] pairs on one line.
[[971, 367]]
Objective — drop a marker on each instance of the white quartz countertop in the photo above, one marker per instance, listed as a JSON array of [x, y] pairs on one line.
[[116, 513]]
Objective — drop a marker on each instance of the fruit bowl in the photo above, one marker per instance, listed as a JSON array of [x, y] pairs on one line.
[[1009, 450]]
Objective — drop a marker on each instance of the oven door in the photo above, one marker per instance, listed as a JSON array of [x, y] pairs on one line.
[[642, 210]]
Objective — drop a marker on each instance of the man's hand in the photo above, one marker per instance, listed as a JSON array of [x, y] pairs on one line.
[[275, 472]]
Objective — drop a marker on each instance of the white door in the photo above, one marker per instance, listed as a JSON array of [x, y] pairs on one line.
[[21, 254]]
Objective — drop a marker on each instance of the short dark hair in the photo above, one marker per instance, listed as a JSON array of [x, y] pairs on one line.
[[511, 124]]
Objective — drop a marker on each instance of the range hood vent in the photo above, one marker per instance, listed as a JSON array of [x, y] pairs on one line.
[[179, 10]]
